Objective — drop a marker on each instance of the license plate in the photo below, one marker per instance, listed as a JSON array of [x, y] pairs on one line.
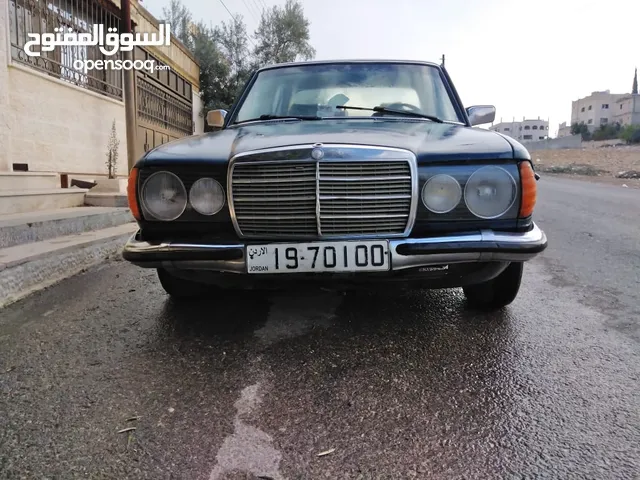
[[365, 256]]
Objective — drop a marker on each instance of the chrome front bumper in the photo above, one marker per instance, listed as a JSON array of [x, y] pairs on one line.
[[406, 253]]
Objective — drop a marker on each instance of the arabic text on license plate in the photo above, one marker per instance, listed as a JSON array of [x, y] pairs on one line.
[[367, 256]]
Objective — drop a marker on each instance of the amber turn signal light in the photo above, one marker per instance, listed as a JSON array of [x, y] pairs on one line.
[[131, 194], [529, 189]]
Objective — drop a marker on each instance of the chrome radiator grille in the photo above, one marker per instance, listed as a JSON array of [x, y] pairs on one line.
[[275, 198], [359, 198], [326, 198]]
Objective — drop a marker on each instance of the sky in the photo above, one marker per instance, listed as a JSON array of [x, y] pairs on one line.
[[529, 58]]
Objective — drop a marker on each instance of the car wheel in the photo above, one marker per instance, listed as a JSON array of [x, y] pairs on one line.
[[180, 288], [498, 292]]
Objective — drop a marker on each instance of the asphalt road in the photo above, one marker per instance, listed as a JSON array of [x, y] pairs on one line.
[[394, 386]]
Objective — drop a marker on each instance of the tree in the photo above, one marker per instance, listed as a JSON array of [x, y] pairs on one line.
[[112, 152], [232, 40], [225, 59], [581, 129], [214, 70], [634, 88], [180, 19], [283, 35]]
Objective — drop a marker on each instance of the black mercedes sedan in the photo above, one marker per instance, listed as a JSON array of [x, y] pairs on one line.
[[343, 174]]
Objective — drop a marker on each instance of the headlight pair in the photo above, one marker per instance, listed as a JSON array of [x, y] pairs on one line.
[[488, 193], [165, 197]]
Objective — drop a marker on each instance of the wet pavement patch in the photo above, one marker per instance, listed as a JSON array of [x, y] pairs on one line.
[[317, 384]]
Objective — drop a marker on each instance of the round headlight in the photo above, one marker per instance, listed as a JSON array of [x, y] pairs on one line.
[[163, 195], [206, 196], [490, 192], [441, 193]]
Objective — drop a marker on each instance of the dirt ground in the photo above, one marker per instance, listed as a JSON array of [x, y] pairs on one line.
[[621, 182], [600, 165]]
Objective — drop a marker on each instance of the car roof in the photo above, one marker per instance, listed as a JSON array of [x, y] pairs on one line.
[[334, 62]]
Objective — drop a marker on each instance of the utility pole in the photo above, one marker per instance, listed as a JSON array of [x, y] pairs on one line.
[[129, 88]]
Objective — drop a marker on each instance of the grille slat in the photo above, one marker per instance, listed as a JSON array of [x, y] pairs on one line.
[[365, 179], [275, 198], [281, 198], [285, 191], [274, 179]]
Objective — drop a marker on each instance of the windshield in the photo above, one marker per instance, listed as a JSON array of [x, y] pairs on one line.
[[316, 90]]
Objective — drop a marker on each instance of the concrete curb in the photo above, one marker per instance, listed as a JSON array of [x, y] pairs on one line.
[[26, 201], [26, 269], [21, 229], [99, 199]]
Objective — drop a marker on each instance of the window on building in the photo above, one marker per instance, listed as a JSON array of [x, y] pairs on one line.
[[590, 121], [621, 106], [604, 121], [541, 138], [526, 127], [528, 137], [535, 127], [506, 129], [69, 55], [589, 107], [582, 109], [605, 106]]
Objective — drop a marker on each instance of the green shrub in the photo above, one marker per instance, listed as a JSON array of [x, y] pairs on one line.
[[581, 129], [631, 134], [607, 132]]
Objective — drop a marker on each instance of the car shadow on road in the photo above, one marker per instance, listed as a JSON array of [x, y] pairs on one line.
[[427, 307], [240, 314], [234, 316]]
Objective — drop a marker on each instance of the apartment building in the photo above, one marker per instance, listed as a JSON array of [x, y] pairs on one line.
[[527, 130], [597, 109], [627, 110]]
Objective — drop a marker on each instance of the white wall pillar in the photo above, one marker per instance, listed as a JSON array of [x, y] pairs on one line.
[[5, 111], [198, 119]]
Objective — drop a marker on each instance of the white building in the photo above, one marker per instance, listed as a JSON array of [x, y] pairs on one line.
[[527, 130], [597, 109], [564, 130], [627, 110], [57, 120]]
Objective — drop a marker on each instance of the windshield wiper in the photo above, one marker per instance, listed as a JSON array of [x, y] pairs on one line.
[[391, 110], [280, 117]]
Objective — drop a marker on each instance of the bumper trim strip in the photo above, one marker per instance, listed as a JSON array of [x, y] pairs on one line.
[[483, 246]]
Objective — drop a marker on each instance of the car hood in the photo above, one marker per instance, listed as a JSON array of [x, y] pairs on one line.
[[429, 141]]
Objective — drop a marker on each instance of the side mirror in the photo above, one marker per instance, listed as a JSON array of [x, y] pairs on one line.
[[215, 118], [481, 114]]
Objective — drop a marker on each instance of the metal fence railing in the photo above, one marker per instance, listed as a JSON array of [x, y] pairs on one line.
[[42, 17], [163, 108]]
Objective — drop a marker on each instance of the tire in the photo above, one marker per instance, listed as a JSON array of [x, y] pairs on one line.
[[182, 289], [498, 292]]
